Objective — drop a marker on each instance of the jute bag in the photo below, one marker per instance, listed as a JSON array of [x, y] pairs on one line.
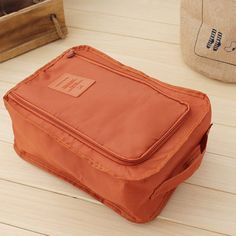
[[208, 37]]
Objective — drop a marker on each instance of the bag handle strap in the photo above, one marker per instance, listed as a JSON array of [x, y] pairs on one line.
[[193, 164]]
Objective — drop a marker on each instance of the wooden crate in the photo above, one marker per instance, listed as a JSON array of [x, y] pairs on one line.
[[31, 27]]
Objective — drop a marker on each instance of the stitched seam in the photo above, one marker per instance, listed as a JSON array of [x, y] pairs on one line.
[[115, 62], [27, 156], [92, 162], [89, 139], [43, 68]]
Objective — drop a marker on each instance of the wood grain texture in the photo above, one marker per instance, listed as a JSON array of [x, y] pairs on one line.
[[158, 11], [10, 230], [150, 30], [156, 59], [207, 209], [144, 35], [29, 28], [42, 210]]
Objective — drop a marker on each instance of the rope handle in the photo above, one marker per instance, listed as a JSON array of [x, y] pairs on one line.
[[194, 162], [57, 25]]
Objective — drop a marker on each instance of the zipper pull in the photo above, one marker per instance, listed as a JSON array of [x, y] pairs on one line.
[[71, 53]]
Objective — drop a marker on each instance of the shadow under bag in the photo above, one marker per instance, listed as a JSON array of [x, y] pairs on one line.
[[123, 137]]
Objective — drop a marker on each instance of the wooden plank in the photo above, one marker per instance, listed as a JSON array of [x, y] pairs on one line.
[[154, 58], [216, 172], [154, 51], [6, 133], [134, 28], [158, 11], [10, 230], [223, 111], [222, 140], [4, 87], [204, 208], [24, 173], [61, 215]]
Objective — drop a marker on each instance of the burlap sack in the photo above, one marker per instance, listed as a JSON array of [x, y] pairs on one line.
[[208, 37]]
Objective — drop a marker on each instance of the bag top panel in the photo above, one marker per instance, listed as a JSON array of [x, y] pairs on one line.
[[122, 116]]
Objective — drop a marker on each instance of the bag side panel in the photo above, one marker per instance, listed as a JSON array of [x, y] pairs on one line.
[[40, 149], [128, 198]]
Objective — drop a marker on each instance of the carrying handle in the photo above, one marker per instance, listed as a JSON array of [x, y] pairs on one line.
[[57, 25], [193, 164]]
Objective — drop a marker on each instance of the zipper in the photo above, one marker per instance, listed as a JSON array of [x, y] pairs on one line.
[[26, 105], [72, 53]]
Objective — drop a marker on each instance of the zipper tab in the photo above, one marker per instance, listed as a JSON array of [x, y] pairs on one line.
[[71, 53]]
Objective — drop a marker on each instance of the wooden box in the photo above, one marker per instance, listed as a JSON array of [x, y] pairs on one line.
[[32, 26]]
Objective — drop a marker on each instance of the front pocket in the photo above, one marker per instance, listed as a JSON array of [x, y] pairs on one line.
[[124, 118]]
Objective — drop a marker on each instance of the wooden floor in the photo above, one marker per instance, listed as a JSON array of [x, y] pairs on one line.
[[143, 34]]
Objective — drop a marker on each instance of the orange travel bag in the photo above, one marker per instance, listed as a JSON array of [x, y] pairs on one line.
[[123, 137]]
